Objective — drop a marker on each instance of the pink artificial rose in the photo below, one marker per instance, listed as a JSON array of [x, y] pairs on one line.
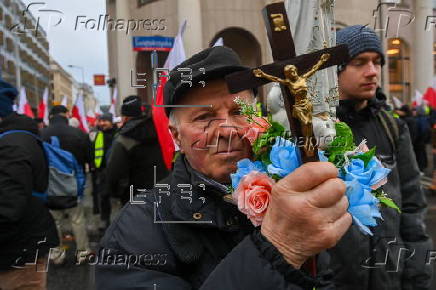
[[380, 183], [259, 126], [253, 195]]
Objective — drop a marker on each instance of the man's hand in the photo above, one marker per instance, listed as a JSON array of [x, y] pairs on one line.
[[307, 213]]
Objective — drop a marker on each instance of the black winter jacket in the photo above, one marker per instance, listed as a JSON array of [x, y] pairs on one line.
[[395, 257], [24, 219], [135, 151], [71, 139], [217, 248]]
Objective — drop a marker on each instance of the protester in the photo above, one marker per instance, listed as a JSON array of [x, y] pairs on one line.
[[40, 123], [27, 230], [373, 262], [77, 142], [101, 147], [208, 243], [406, 114], [423, 137], [134, 154]]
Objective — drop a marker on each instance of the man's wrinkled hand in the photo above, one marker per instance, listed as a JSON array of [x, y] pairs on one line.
[[307, 212]]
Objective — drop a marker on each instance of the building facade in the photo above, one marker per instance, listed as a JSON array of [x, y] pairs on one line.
[[24, 51], [408, 45], [89, 99], [61, 84]]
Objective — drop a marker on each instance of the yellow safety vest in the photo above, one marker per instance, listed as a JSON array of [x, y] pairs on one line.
[[99, 149]]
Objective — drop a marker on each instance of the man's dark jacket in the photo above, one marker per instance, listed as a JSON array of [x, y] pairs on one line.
[[24, 220], [222, 250], [135, 151], [71, 139], [395, 257]]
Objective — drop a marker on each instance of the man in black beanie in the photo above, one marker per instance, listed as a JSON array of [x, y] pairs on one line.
[[186, 235], [135, 153], [27, 230], [378, 262]]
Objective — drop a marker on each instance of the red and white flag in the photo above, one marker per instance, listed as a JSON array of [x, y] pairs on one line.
[[23, 106], [91, 118], [64, 101], [113, 103], [176, 56], [79, 113], [43, 107]]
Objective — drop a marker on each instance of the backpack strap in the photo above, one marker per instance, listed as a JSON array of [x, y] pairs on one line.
[[19, 131], [127, 142], [54, 140], [391, 127], [41, 195]]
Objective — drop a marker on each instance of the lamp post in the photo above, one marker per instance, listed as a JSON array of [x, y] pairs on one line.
[[83, 76]]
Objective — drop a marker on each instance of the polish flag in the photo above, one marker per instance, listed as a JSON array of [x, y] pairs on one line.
[[64, 101], [91, 118], [23, 106], [113, 102], [176, 56], [43, 107], [79, 113]]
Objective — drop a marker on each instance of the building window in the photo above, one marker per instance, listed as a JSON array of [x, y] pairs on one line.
[[9, 44], [144, 2], [8, 21], [399, 69]]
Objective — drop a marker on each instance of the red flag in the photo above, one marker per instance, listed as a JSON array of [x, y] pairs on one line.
[[78, 112], [23, 106], [160, 120], [430, 97]]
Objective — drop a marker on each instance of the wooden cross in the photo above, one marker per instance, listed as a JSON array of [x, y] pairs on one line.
[[285, 64]]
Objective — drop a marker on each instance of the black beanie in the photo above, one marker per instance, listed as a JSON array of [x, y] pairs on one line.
[[7, 95], [58, 109], [131, 107]]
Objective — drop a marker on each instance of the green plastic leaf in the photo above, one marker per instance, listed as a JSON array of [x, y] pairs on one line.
[[389, 203], [366, 157]]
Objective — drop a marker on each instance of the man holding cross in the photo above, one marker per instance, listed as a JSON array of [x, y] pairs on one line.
[[170, 243]]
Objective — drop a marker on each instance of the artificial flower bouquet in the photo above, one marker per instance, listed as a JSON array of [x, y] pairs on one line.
[[275, 156]]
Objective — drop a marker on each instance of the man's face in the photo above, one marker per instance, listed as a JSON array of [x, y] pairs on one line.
[[361, 76], [211, 137], [104, 124]]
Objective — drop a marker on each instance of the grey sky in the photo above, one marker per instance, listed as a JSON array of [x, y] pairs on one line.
[[85, 48]]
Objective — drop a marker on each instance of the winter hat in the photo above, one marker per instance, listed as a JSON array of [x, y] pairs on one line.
[[359, 39], [7, 96], [209, 64], [131, 107], [106, 117], [58, 109]]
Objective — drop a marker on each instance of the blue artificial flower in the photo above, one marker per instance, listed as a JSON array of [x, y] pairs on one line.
[[363, 206], [369, 175], [245, 166], [322, 157], [285, 157]]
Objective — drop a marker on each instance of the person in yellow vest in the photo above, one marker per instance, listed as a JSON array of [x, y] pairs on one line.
[[102, 142]]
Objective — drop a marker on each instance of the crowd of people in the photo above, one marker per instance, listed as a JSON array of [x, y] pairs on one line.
[[219, 248]]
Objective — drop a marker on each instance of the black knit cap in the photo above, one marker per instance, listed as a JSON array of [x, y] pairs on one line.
[[106, 117], [209, 64], [131, 107], [58, 109]]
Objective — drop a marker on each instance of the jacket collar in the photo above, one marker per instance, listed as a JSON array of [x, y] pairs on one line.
[[346, 111], [198, 200]]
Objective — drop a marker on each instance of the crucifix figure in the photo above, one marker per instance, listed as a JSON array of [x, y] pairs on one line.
[[291, 72], [297, 85]]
